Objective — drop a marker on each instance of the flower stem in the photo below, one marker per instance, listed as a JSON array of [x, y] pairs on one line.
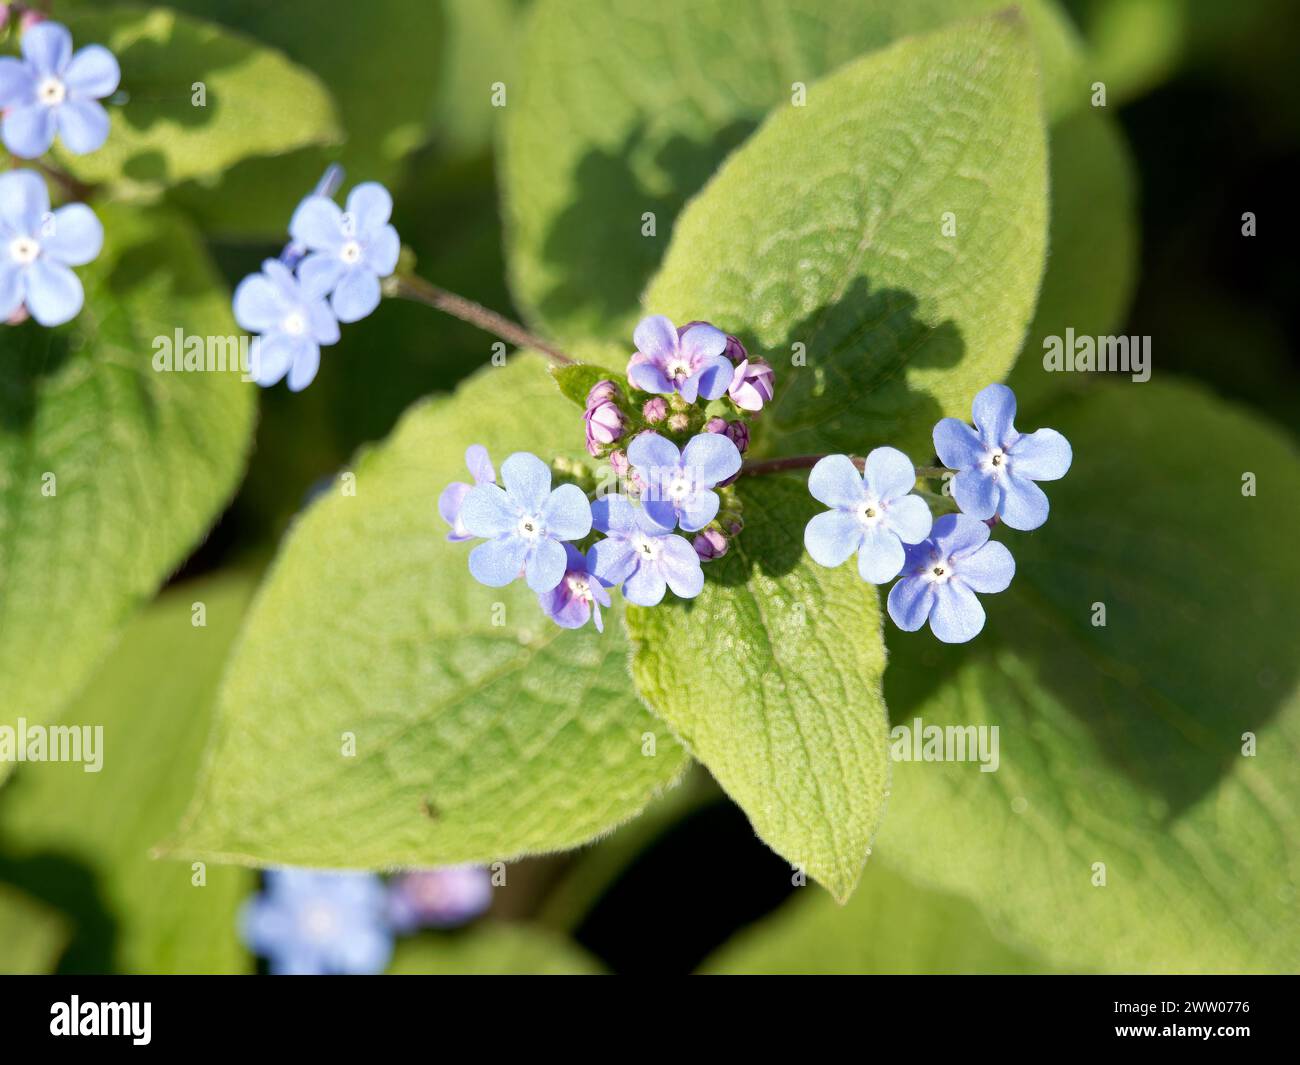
[[807, 462], [421, 291], [72, 188]]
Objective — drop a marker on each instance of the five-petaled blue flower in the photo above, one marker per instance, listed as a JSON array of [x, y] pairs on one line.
[[37, 246], [294, 321], [642, 555], [997, 466], [50, 89], [873, 514], [678, 484], [692, 364], [314, 923], [578, 598], [453, 496], [942, 575], [525, 524], [348, 251]]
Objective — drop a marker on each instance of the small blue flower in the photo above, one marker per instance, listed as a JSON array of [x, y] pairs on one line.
[[314, 923], [997, 466], [453, 496], [524, 524], [349, 251], [294, 321], [37, 246], [642, 555], [438, 898], [50, 89], [692, 364], [873, 514], [578, 597], [678, 484], [942, 575]]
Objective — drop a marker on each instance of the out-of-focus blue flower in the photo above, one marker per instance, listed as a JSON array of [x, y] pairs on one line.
[[579, 595], [348, 251], [525, 524], [942, 575], [692, 364], [438, 898], [51, 90], [310, 922], [37, 246], [294, 321], [642, 555], [453, 496], [678, 485], [874, 513], [997, 466]]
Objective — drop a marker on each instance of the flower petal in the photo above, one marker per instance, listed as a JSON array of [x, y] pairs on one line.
[[958, 535], [703, 342], [881, 556], [680, 566], [956, 615], [909, 603], [370, 206], [713, 377], [612, 559], [306, 362], [356, 296], [383, 251], [17, 83], [270, 359], [889, 473], [1024, 504], [449, 504], [93, 73], [479, 463], [651, 452], [697, 510], [661, 512], [83, 125], [24, 203], [29, 130], [995, 412], [832, 536], [497, 562], [545, 565], [613, 514], [909, 518], [323, 325], [1044, 455], [320, 272], [656, 338], [646, 586], [13, 288], [977, 493], [54, 293], [317, 223], [47, 46], [957, 444], [75, 235], [487, 511], [989, 569], [836, 482], [645, 375], [711, 458], [567, 513], [567, 611], [528, 480]]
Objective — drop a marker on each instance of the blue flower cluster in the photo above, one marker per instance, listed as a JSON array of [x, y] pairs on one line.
[[49, 90], [311, 922], [328, 273], [944, 563]]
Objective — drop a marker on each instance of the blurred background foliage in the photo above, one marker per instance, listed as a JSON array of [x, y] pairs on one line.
[[1208, 112]]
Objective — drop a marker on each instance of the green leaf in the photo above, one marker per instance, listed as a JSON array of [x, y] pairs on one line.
[[840, 255], [1123, 743], [111, 471], [159, 137], [772, 679], [492, 949], [482, 730], [624, 108], [577, 379], [153, 700], [483, 40], [891, 926], [34, 935]]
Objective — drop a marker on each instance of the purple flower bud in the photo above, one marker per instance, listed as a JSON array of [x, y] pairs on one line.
[[31, 18], [655, 410], [716, 425], [679, 423], [601, 391], [738, 434], [710, 544], [618, 462], [735, 526], [438, 898], [605, 423], [751, 384]]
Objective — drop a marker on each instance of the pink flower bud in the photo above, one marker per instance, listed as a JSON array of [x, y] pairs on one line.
[[31, 18], [715, 425], [602, 391], [655, 410], [710, 544], [605, 424], [618, 462], [751, 385]]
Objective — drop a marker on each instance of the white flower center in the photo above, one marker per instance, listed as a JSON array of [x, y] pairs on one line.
[[51, 92], [870, 513], [579, 588], [350, 252], [647, 547], [23, 250], [295, 324], [938, 570], [996, 461], [679, 369], [319, 922], [679, 488], [530, 527]]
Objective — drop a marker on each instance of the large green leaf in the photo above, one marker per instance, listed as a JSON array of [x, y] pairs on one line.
[[841, 249], [493, 949], [159, 137], [624, 108], [482, 730], [60, 825], [772, 679], [891, 925], [110, 471], [1123, 744], [33, 934]]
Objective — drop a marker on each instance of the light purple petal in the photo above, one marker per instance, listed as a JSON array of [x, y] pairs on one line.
[[284, 281], [1044, 455], [93, 73], [650, 451], [909, 603], [656, 338], [370, 206], [995, 412], [661, 511], [680, 566], [881, 557], [836, 482], [271, 358], [567, 611], [956, 615], [449, 504], [54, 293], [889, 473], [83, 125], [497, 562], [258, 304], [713, 377], [645, 587], [28, 130], [24, 203], [320, 271], [567, 513], [479, 464], [1024, 504], [13, 287], [649, 523], [648, 377], [989, 569], [711, 458], [613, 514], [383, 251], [832, 536], [323, 325], [356, 296], [487, 511], [690, 388], [702, 342], [696, 511], [958, 535], [318, 223], [612, 559], [17, 83], [957, 444], [306, 361], [977, 493], [545, 565], [909, 518], [528, 480], [75, 235], [48, 47]]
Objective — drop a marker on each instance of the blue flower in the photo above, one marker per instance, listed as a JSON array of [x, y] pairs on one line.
[[349, 251], [692, 364], [37, 246], [642, 555], [997, 466], [578, 597], [314, 923], [453, 496], [293, 320], [50, 89], [524, 524], [438, 898], [678, 484], [942, 575], [873, 514]]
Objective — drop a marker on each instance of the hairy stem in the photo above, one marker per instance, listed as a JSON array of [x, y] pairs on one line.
[[72, 188], [421, 291]]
